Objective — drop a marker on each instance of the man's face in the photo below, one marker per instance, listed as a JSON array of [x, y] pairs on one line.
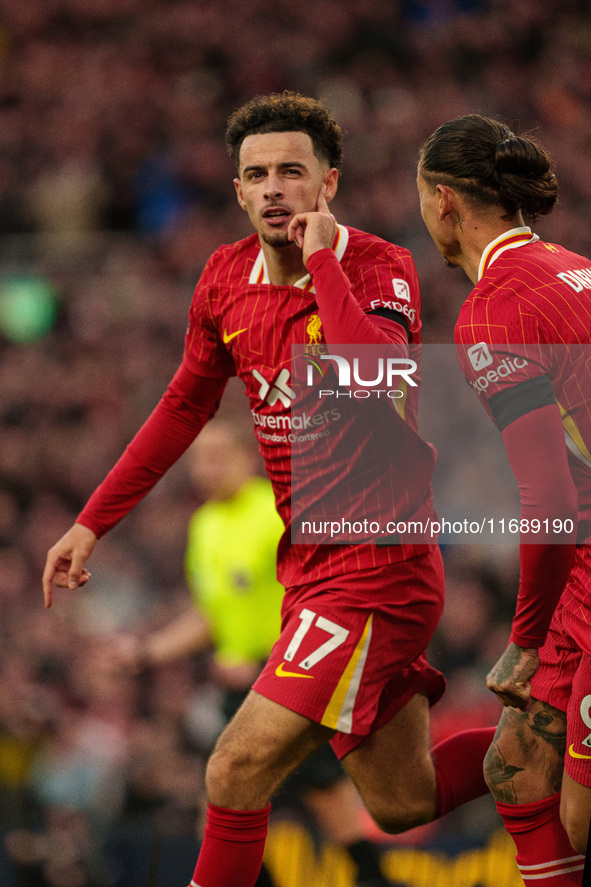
[[280, 176], [219, 462]]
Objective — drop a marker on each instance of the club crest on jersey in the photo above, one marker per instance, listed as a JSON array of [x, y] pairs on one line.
[[315, 345], [313, 328]]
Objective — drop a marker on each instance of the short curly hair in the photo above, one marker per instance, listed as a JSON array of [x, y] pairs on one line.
[[286, 112]]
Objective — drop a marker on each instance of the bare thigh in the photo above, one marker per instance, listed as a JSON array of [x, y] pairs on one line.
[[259, 748], [393, 770], [264, 742], [575, 812]]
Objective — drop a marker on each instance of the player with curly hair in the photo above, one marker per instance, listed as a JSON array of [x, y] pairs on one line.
[[349, 666]]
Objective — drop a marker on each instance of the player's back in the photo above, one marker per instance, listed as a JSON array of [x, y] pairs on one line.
[[532, 308]]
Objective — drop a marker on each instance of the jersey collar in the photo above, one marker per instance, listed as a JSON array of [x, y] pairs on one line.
[[509, 240], [260, 274]]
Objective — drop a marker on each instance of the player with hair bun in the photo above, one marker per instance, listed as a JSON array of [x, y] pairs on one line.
[[478, 185]]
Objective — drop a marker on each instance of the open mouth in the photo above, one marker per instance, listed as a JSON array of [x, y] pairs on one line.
[[276, 215]]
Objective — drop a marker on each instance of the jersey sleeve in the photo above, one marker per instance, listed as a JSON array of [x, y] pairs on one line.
[[535, 448], [205, 353], [189, 402], [344, 312], [509, 353], [509, 404], [389, 283], [502, 351]]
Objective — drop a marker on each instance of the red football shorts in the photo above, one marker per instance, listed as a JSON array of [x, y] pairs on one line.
[[351, 652], [564, 676]]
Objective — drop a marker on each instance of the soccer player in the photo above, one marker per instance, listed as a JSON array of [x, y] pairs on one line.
[[518, 337], [349, 666], [230, 568]]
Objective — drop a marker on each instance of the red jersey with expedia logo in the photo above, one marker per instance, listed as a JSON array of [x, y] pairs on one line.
[[241, 324], [527, 320]]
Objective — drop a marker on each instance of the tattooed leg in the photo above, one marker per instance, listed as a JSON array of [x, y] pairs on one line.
[[526, 759]]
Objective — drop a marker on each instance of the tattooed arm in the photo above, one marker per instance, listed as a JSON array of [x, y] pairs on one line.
[[510, 677]]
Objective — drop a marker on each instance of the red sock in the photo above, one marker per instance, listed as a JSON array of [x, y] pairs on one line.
[[458, 768], [232, 849], [544, 854]]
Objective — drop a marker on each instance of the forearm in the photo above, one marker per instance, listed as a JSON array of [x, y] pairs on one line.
[[537, 454], [182, 412], [544, 570], [343, 320], [186, 635]]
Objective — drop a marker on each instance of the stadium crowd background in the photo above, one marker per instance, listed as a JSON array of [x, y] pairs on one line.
[[114, 189]]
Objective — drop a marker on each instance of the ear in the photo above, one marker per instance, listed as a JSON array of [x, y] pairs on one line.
[[239, 197], [330, 180], [447, 201]]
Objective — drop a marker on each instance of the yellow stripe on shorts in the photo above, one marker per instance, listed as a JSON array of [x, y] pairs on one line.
[[338, 714]]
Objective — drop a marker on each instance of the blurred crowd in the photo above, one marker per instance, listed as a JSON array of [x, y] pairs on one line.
[[115, 187]]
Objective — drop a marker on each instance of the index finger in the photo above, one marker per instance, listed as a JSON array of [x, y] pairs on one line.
[[321, 204], [47, 581]]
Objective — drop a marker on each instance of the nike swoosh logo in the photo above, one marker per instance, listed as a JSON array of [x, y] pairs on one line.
[[575, 754], [227, 337], [281, 673]]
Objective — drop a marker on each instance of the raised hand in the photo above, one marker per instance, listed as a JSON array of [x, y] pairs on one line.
[[510, 678], [314, 230]]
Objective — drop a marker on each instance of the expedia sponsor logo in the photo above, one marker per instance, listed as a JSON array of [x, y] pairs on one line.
[[401, 289], [479, 356], [502, 370], [395, 305]]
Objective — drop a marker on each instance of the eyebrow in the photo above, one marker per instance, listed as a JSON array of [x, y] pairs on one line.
[[260, 167]]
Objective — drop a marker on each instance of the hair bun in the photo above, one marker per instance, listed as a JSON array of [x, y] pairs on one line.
[[520, 157], [487, 163]]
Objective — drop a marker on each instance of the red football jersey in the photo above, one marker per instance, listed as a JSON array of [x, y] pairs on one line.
[[529, 319], [241, 324]]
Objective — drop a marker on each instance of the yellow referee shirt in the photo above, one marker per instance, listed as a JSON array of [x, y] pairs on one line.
[[230, 565]]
